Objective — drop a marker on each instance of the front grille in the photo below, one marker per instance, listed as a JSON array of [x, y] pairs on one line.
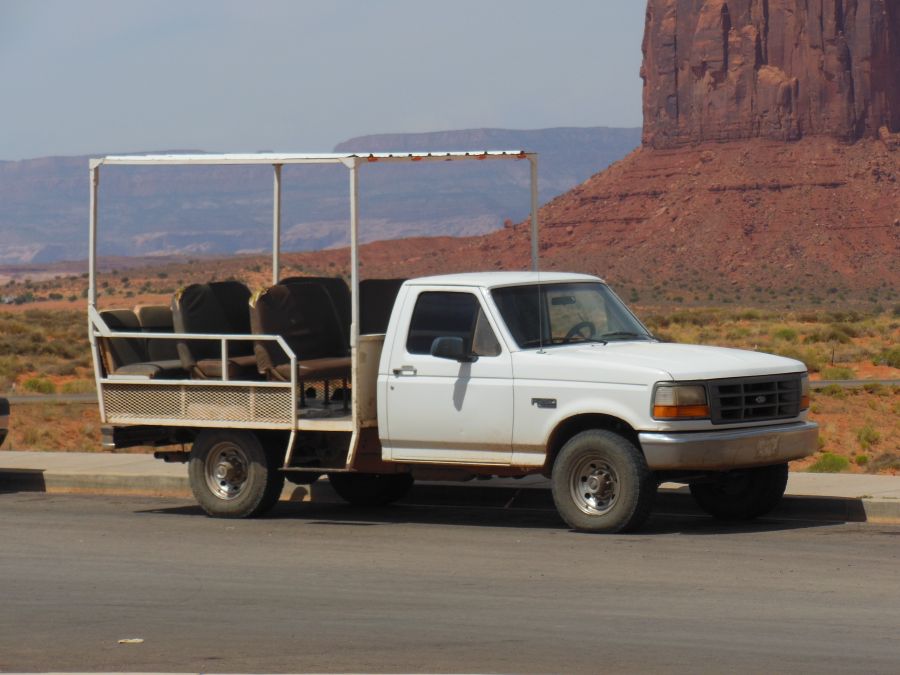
[[754, 399]]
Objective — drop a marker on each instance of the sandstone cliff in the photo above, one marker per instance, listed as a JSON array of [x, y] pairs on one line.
[[779, 69]]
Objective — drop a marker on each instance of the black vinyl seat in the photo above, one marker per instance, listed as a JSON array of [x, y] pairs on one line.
[[376, 302], [338, 292], [158, 319], [304, 315], [130, 356], [217, 307]]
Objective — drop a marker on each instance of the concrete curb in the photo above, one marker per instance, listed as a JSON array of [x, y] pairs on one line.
[[530, 493]]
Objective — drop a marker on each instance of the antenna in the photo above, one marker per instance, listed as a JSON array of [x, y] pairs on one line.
[[535, 251], [540, 305]]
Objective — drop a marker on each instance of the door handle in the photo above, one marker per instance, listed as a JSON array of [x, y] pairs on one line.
[[405, 370]]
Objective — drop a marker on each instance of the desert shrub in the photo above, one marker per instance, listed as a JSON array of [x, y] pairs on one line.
[[697, 317], [846, 328], [837, 373], [875, 388], [808, 317], [39, 385], [814, 359], [889, 357], [851, 353], [862, 460], [59, 368], [79, 387], [829, 335], [830, 463], [737, 333], [867, 436], [833, 390], [786, 334], [840, 316], [886, 462]]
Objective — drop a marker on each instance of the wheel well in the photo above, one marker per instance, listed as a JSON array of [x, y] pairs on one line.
[[575, 425]]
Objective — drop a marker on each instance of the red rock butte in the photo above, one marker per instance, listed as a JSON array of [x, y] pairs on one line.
[[779, 69], [770, 169]]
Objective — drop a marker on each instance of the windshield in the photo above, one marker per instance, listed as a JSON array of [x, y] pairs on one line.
[[569, 313]]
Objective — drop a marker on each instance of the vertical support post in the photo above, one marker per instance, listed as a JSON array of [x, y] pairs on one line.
[[276, 226], [224, 356], [534, 217], [92, 236], [354, 307], [354, 257], [92, 283]]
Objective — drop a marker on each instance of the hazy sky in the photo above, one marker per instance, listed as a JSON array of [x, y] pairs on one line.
[[100, 76]]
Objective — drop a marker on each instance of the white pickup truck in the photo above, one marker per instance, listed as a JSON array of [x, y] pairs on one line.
[[442, 378]]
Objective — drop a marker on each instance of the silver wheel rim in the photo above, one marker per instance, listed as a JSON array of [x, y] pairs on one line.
[[225, 470], [594, 486]]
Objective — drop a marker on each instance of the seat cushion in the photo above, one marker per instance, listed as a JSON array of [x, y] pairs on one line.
[[239, 368], [155, 370], [337, 368]]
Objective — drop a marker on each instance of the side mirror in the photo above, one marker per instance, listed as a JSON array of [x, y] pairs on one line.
[[452, 348]]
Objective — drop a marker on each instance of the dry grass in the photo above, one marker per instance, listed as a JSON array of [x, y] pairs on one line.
[[859, 424]]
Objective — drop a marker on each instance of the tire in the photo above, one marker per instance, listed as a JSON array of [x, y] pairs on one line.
[[232, 476], [601, 483], [371, 489], [742, 495]]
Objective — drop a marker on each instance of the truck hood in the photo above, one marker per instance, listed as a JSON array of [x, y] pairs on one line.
[[648, 362]]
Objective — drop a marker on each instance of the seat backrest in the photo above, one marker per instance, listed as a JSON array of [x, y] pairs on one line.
[[338, 292], [118, 352], [376, 302], [217, 307], [158, 319], [303, 314]]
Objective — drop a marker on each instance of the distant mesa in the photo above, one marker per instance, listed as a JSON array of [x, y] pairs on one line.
[[718, 70]]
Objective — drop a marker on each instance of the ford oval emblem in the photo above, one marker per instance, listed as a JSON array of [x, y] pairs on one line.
[[760, 399]]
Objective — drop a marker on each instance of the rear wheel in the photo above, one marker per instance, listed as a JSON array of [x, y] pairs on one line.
[[232, 476], [601, 483], [742, 495], [371, 489]]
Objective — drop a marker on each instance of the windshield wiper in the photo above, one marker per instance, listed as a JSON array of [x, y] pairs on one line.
[[623, 334]]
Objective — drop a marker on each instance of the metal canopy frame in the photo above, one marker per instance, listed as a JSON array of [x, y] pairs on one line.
[[352, 161]]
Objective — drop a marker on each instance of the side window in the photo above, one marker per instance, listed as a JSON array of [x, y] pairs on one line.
[[448, 314]]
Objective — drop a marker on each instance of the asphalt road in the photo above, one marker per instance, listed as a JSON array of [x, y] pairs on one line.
[[435, 589]]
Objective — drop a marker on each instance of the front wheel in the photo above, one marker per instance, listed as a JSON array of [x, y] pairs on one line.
[[231, 474], [601, 483], [371, 489], [742, 495]]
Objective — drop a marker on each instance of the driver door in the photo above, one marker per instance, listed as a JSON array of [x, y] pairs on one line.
[[442, 410]]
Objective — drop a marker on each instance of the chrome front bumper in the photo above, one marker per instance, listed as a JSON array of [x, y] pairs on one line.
[[730, 448]]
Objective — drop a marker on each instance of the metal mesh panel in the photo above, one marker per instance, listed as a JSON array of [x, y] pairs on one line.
[[149, 404]]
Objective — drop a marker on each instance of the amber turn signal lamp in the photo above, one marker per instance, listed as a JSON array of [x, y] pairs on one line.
[[663, 412]]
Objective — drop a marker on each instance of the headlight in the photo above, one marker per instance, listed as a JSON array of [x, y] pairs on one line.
[[680, 402], [804, 392]]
